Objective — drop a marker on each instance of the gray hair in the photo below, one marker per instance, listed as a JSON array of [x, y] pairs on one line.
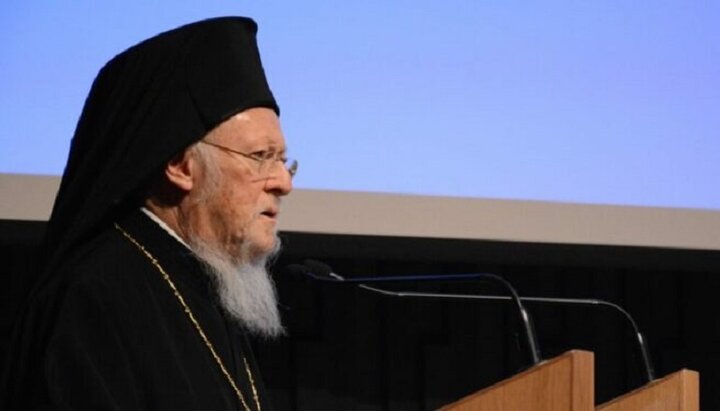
[[208, 164]]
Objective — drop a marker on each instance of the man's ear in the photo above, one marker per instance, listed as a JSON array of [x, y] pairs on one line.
[[180, 171]]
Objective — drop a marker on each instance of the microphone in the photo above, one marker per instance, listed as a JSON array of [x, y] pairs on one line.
[[322, 272], [330, 276]]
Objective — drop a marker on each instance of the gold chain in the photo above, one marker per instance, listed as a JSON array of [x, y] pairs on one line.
[[199, 329]]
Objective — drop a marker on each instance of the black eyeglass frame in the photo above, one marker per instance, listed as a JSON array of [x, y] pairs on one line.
[[262, 157]]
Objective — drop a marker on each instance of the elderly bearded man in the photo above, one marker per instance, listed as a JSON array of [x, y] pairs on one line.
[[157, 245]]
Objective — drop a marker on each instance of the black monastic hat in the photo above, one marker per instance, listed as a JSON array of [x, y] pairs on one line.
[[146, 105]]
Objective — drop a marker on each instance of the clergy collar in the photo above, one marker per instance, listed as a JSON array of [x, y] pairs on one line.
[[164, 226]]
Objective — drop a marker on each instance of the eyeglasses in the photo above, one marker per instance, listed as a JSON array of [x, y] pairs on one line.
[[264, 159]]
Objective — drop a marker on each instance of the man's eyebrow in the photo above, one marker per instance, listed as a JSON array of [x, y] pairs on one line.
[[271, 146]]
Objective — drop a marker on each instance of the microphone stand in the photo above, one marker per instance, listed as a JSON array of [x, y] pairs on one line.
[[642, 344], [311, 268], [322, 272]]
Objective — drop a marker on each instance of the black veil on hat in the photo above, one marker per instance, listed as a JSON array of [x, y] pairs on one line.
[[146, 105]]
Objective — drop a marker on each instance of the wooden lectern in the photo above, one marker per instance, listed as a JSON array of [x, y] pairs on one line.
[[676, 392], [566, 383]]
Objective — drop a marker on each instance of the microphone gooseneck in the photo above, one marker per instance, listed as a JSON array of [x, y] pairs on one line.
[[323, 272], [642, 344]]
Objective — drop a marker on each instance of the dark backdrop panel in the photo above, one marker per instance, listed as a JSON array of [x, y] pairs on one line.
[[347, 349]]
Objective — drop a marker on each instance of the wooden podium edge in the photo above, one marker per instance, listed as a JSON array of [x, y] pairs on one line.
[[578, 358], [688, 382]]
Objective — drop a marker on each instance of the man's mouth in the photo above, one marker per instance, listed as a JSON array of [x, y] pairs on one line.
[[270, 213]]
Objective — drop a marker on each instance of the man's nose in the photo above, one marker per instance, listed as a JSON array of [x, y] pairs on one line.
[[279, 181]]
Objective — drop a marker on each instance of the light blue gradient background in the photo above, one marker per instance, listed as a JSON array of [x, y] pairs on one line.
[[607, 102]]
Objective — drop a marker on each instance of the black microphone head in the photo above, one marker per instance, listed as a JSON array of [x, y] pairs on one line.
[[315, 270], [320, 269]]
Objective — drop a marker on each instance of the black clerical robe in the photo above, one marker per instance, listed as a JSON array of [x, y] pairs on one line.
[[120, 340]]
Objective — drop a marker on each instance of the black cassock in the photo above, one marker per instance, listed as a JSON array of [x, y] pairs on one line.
[[120, 340]]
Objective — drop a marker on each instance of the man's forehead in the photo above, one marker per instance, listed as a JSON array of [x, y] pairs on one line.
[[257, 125]]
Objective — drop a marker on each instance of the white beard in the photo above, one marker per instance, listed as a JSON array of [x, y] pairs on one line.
[[246, 290]]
